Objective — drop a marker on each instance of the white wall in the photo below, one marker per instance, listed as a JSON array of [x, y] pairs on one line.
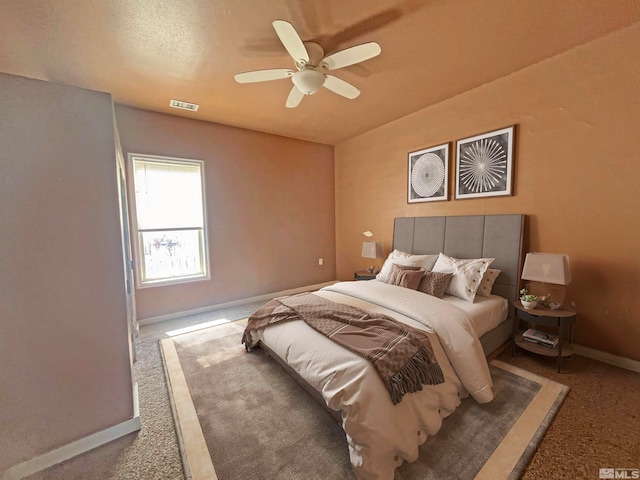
[[65, 368]]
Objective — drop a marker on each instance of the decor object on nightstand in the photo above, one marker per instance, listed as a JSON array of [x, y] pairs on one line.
[[548, 272], [528, 300], [372, 250]]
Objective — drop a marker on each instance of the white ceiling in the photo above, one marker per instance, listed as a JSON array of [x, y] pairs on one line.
[[147, 52]]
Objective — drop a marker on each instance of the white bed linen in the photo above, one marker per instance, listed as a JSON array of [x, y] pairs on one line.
[[486, 312], [380, 435], [452, 324]]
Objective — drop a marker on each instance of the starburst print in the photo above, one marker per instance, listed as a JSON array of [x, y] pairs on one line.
[[483, 166]]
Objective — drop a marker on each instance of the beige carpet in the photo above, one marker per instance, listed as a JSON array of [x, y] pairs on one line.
[[239, 416]]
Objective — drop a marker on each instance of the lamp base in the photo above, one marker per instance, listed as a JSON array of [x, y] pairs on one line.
[[547, 293]]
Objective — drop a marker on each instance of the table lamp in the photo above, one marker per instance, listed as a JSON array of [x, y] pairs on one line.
[[548, 272], [372, 250]]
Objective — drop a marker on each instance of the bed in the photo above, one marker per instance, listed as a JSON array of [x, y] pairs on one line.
[[380, 434]]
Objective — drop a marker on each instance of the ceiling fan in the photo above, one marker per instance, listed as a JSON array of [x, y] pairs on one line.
[[312, 66]]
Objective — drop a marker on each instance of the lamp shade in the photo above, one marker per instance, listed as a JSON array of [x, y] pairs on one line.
[[372, 249], [547, 268]]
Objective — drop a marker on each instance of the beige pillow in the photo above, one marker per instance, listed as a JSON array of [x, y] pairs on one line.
[[467, 274], [396, 270], [488, 279], [434, 283], [409, 278]]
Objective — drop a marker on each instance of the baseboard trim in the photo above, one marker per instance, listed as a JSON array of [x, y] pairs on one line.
[[605, 357], [73, 449], [210, 308]]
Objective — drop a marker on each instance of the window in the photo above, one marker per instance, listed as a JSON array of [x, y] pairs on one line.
[[169, 205]]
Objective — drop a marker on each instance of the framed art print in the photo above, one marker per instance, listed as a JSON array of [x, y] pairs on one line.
[[484, 164], [429, 174]]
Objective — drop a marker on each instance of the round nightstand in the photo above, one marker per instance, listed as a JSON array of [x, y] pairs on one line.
[[563, 318], [364, 275]]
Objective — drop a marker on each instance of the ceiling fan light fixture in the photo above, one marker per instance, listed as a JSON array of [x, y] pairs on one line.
[[308, 81], [312, 65]]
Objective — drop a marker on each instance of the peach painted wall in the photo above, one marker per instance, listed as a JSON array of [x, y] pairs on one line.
[[65, 369], [270, 208], [577, 176]]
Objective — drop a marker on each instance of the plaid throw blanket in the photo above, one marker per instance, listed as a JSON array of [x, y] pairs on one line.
[[401, 355]]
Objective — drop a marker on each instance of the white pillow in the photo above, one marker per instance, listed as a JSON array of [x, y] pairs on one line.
[[467, 274], [426, 262], [383, 275], [488, 279]]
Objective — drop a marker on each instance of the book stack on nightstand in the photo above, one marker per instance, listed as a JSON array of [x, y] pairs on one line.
[[540, 338]]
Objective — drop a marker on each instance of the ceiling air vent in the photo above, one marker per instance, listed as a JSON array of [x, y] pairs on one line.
[[193, 107]]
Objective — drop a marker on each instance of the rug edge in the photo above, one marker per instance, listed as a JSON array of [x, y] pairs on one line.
[[196, 460], [539, 434], [529, 449], [172, 403]]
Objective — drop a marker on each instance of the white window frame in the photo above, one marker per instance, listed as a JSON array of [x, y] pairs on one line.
[[135, 231]]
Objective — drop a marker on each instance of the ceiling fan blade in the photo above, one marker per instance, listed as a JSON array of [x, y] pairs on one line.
[[263, 75], [352, 55], [291, 40], [294, 98], [336, 85]]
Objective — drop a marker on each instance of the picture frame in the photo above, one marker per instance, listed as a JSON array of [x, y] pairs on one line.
[[484, 164], [428, 174]]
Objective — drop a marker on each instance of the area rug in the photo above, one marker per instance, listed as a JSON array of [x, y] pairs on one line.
[[239, 416]]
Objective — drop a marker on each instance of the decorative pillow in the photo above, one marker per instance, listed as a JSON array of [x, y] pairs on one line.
[[467, 274], [434, 283], [383, 275], [396, 270], [425, 262], [409, 278], [488, 279]]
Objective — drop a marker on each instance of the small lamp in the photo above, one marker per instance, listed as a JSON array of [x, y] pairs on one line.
[[548, 273], [372, 250]]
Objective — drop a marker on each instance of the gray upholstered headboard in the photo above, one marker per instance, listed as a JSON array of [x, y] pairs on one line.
[[475, 236]]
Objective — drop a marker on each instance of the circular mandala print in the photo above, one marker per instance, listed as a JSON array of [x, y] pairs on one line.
[[427, 174], [483, 166]]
